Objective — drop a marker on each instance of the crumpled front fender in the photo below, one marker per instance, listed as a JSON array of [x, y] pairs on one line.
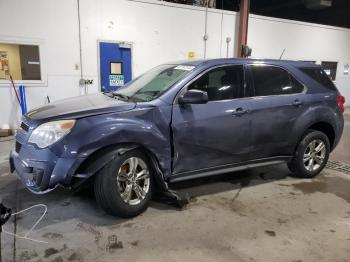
[[148, 128]]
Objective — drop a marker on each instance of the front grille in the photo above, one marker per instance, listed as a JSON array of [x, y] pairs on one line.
[[24, 126], [18, 147]]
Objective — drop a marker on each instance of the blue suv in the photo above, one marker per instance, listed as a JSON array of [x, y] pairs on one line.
[[181, 121]]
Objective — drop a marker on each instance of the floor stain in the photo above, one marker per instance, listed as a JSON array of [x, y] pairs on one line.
[[283, 185], [282, 221], [52, 235], [57, 259], [91, 229], [113, 243], [50, 251], [65, 203], [129, 225], [270, 233], [334, 185], [27, 255], [134, 243], [4, 169], [75, 257]]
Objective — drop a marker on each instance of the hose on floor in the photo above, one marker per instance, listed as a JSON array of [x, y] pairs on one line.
[[31, 230]]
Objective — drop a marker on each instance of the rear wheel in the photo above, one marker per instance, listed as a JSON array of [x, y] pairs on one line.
[[311, 155], [124, 186]]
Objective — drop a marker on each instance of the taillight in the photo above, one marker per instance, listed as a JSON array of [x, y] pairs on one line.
[[341, 102]]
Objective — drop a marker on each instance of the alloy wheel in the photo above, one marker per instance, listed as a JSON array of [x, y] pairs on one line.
[[133, 180], [314, 155]]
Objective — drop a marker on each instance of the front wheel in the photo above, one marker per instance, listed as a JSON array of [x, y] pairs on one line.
[[124, 186], [311, 155]]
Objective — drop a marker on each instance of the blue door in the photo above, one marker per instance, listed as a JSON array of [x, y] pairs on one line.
[[115, 66]]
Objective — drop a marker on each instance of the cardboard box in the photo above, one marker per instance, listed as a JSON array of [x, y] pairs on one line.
[[5, 132]]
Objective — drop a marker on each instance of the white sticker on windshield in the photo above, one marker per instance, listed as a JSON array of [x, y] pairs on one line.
[[184, 67]]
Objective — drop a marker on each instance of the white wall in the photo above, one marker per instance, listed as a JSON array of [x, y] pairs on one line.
[[54, 26], [159, 32]]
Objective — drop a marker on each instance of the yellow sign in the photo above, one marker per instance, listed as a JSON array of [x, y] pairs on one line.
[[191, 55]]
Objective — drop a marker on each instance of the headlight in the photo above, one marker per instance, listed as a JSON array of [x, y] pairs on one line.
[[50, 132]]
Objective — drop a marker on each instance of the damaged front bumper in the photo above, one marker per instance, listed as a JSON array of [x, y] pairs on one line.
[[40, 170]]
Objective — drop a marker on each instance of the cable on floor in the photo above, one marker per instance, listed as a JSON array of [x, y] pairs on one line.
[[31, 230]]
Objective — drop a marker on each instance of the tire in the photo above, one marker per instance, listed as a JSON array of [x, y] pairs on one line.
[[118, 177], [300, 165]]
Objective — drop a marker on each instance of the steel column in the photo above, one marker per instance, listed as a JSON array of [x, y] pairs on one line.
[[243, 26]]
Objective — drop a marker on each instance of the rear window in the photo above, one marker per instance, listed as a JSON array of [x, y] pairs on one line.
[[319, 76]]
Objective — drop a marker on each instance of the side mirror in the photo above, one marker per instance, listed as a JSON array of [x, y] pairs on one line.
[[193, 96]]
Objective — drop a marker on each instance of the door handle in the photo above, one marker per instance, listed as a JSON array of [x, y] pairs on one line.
[[297, 102], [239, 111]]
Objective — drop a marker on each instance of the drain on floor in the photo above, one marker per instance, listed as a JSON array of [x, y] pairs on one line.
[[338, 166]]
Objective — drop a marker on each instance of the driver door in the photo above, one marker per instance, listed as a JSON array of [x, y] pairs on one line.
[[216, 133]]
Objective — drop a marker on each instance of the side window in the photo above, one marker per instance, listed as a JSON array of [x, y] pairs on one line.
[[272, 80], [221, 83], [319, 76], [297, 87]]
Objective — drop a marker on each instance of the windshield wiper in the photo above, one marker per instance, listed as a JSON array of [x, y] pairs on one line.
[[119, 95]]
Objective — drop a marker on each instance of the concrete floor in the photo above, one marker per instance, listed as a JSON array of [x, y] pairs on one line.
[[257, 215]]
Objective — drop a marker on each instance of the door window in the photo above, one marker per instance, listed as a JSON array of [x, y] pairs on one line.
[[221, 83], [116, 68], [272, 80]]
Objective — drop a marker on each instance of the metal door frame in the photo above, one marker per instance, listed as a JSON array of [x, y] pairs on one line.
[[99, 57]]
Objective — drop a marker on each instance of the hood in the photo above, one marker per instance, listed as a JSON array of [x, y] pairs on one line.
[[80, 106]]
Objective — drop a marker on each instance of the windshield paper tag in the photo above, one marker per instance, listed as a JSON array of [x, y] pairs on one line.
[[184, 67]]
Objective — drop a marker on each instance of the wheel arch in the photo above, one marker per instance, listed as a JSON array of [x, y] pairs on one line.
[[325, 128], [322, 126], [102, 156]]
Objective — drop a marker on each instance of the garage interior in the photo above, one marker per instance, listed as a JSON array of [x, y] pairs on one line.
[[54, 50]]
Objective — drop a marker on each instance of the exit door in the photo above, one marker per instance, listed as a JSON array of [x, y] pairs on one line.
[[115, 66]]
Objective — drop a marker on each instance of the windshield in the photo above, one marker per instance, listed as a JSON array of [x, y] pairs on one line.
[[154, 82]]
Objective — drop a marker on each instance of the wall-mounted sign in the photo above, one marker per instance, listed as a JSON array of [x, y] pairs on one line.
[[116, 80], [4, 65], [346, 69]]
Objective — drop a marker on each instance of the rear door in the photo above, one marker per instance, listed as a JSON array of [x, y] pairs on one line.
[[276, 100], [218, 132]]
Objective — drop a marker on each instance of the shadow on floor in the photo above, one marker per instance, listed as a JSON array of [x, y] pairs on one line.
[[64, 204]]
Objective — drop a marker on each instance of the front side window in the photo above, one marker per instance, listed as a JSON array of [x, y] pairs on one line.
[[272, 80], [221, 83]]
